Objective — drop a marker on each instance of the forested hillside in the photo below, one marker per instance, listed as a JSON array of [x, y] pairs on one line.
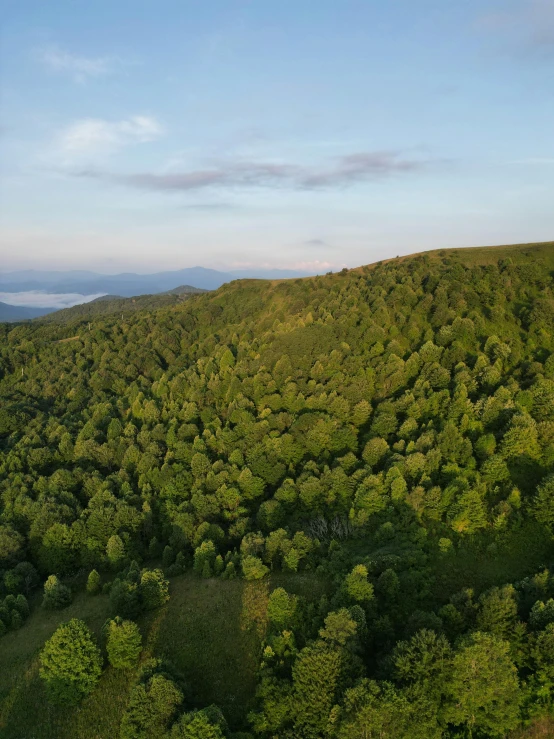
[[387, 432], [116, 304]]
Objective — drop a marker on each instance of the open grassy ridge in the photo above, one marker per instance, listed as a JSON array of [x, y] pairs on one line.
[[210, 630], [477, 255], [472, 256], [272, 296]]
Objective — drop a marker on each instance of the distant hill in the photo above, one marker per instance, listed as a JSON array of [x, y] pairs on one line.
[[185, 290], [129, 284], [103, 298], [108, 304], [9, 313]]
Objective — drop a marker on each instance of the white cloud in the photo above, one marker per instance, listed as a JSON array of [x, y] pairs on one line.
[[40, 299], [81, 68], [98, 136]]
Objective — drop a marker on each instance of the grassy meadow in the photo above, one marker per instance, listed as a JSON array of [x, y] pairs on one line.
[[211, 631]]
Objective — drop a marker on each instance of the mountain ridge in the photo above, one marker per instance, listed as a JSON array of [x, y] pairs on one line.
[[129, 284]]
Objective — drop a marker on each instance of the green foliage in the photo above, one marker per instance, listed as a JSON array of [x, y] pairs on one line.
[[543, 505], [123, 643], [115, 551], [125, 599], [390, 429], [498, 611], [282, 609], [383, 712], [93, 583], [253, 568], [208, 723], [356, 585], [339, 627], [541, 614], [374, 451], [56, 594], [204, 558], [423, 662], [70, 663], [154, 589], [543, 656], [152, 705], [483, 687]]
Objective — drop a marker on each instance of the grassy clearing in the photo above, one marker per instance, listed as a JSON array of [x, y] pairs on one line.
[[211, 631], [24, 711], [481, 567]]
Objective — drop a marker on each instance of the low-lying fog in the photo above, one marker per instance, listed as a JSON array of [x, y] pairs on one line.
[[40, 299]]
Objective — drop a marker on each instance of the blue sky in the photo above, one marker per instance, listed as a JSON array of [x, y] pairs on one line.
[[275, 133]]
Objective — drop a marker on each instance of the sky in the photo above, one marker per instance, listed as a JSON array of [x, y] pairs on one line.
[[271, 133]]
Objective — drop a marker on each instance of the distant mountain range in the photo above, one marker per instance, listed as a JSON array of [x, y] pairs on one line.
[[129, 284], [20, 313]]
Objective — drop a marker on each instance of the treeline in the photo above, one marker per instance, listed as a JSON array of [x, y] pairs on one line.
[[374, 421]]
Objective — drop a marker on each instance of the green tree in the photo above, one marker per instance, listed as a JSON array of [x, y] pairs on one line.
[[423, 661], [115, 551], [339, 627], [58, 552], [541, 614], [168, 556], [357, 586], [316, 676], [125, 599], [253, 568], [498, 611], [56, 594], [282, 609], [204, 554], [380, 711], [11, 545], [93, 583], [22, 605], [124, 643], [154, 589], [70, 663], [543, 657], [151, 707], [374, 451], [206, 724], [483, 689], [543, 504]]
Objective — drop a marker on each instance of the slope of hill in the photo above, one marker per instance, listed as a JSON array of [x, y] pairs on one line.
[[386, 432], [115, 304]]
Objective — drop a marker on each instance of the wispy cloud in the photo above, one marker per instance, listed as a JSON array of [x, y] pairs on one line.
[[316, 242], [98, 136], [539, 161], [80, 68], [341, 172], [211, 207], [530, 24]]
